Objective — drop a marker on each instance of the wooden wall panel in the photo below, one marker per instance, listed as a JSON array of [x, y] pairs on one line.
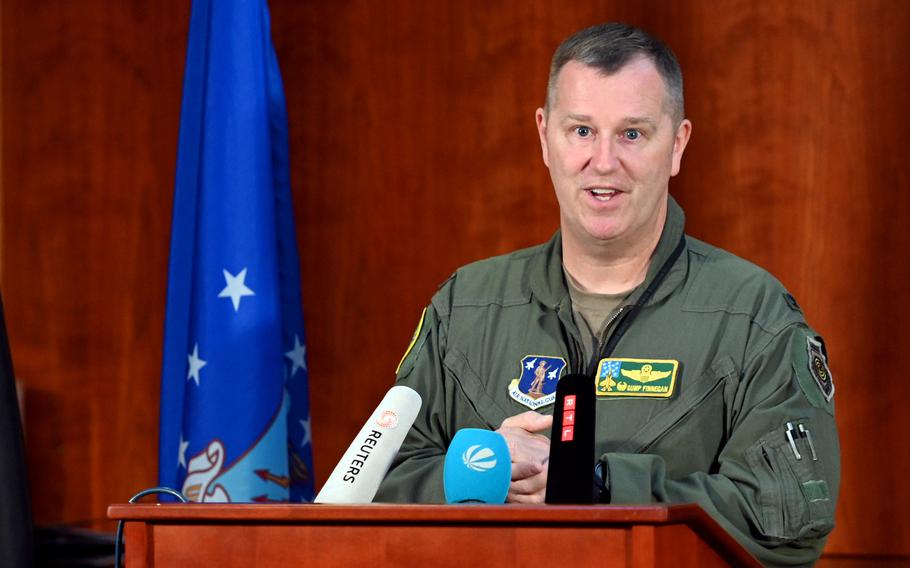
[[91, 94], [414, 151]]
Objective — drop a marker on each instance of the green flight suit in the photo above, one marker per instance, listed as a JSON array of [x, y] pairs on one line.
[[720, 440]]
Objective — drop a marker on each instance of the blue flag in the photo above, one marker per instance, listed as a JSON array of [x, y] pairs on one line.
[[235, 421]]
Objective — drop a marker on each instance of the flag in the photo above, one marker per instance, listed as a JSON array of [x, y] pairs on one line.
[[15, 514], [235, 422]]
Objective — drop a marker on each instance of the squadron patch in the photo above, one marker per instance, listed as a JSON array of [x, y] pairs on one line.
[[654, 378], [536, 385], [818, 367]]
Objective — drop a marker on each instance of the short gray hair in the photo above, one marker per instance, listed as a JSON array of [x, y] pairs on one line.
[[609, 47]]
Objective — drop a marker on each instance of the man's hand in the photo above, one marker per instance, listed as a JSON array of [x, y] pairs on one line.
[[530, 453]]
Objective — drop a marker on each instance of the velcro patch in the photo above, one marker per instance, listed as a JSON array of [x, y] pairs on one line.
[[816, 490]]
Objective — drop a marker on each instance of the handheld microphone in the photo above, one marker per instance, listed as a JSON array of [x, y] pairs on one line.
[[570, 478], [478, 468], [357, 476]]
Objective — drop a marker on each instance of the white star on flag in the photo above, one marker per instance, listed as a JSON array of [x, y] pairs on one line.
[[181, 458], [307, 438], [297, 356], [235, 288], [196, 364]]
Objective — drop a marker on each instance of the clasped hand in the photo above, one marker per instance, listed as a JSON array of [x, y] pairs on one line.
[[530, 452]]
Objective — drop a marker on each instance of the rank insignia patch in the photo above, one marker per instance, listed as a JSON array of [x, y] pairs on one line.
[[818, 367], [536, 385], [636, 377]]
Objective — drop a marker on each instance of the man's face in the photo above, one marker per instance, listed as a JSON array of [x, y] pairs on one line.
[[611, 148]]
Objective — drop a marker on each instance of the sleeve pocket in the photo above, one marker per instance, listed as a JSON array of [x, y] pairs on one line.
[[794, 496]]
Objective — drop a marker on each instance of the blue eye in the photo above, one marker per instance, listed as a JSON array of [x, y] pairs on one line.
[[632, 134], [583, 131]]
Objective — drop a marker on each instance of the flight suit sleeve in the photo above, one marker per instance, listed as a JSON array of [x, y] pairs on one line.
[[416, 472], [775, 495]]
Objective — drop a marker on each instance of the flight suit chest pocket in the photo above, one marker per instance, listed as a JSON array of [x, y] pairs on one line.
[[794, 494], [472, 403], [696, 413]]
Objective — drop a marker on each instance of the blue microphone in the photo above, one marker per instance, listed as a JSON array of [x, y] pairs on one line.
[[478, 468]]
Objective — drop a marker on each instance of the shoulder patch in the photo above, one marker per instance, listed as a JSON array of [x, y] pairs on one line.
[[410, 348], [818, 367], [810, 364]]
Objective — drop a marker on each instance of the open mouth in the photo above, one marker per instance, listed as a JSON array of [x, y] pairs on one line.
[[602, 194]]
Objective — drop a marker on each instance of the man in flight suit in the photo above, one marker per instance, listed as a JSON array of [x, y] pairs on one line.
[[711, 387]]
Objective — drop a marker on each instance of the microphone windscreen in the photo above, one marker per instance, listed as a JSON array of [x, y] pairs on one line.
[[478, 468], [357, 476], [570, 475]]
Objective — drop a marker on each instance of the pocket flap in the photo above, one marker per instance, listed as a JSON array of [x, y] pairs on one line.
[[690, 396]]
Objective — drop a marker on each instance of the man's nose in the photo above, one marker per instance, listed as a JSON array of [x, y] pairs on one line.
[[603, 155]]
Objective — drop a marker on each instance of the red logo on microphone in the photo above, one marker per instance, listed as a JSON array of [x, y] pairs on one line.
[[387, 419], [568, 418]]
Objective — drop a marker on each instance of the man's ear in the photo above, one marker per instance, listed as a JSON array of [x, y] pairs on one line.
[[681, 138], [541, 117]]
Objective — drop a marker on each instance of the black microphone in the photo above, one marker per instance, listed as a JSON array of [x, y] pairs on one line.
[[570, 478]]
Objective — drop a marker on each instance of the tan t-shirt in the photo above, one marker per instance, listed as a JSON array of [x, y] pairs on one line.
[[592, 312]]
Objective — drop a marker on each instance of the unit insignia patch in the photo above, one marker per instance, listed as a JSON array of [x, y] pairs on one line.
[[818, 367], [536, 385]]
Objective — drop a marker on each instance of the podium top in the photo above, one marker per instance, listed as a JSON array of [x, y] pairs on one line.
[[396, 514], [377, 514]]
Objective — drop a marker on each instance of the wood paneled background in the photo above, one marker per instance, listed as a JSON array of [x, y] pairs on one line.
[[414, 152]]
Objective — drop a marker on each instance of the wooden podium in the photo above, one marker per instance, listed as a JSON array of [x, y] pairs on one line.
[[460, 536]]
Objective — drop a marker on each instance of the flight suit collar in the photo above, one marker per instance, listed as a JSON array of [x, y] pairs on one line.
[[548, 282]]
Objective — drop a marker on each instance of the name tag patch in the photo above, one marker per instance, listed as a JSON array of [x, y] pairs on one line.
[[654, 378]]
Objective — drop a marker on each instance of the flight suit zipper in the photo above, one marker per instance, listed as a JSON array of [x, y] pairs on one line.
[[622, 318], [602, 339], [570, 338], [627, 314]]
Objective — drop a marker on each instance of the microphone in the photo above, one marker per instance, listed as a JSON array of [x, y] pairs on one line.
[[570, 478], [478, 468], [357, 476]]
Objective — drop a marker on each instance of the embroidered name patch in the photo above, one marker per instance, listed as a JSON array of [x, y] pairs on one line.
[[636, 377], [536, 385]]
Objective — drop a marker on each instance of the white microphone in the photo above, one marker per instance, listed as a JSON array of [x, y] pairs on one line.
[[362, 468]]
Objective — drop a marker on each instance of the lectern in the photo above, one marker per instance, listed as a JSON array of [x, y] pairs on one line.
[[462, 536]]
